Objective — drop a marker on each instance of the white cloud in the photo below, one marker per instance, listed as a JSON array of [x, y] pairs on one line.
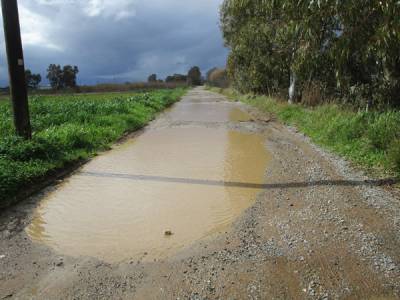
[[34, 29], [38, 30], [113, 9], [116, 9]]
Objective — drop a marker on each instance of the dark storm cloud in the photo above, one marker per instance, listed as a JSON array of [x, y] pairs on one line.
[[120, 40]]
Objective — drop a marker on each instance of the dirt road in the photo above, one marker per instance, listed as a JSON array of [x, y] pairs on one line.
[[194, 208]]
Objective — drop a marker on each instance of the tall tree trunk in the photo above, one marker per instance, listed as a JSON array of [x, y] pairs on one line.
[[292, 87]]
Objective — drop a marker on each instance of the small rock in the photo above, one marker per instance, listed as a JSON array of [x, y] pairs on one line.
[[168, 233], [324, 297], [2, 256], [60, 264]]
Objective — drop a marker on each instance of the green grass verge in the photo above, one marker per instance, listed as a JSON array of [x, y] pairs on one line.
[[369, 139], [68, 129]]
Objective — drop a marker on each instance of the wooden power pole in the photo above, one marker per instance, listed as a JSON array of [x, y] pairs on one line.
[[16, 69]]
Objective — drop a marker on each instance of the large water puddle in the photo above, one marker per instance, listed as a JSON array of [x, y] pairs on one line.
[[190, 181], [202, 112]]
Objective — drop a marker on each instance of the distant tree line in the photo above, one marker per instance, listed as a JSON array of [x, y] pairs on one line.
[[347, 50], [192, 78], [58, 77], [66, 77], [153, 79], [176, 78]]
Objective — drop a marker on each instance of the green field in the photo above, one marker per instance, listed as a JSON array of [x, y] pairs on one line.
[[369, 139], [68, 129]]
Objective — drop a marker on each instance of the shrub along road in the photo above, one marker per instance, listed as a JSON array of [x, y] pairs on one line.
[[318, 230]]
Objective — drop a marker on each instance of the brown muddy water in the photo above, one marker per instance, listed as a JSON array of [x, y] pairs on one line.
[[192, 182]]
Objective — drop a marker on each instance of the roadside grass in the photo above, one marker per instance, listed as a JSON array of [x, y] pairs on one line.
[[369, 139], [128, 87], [68, 129]]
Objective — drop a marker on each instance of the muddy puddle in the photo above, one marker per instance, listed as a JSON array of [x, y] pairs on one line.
[[192, 182], [201, 112]]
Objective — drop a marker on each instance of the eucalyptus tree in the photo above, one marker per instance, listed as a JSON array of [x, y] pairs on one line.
[[366, 51], [350, 48], [32, 80], [54, 75]]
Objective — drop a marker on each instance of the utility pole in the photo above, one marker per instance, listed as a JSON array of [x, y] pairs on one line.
[[16, 69]]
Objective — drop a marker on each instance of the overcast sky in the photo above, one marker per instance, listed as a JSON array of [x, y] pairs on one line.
[[119, 40]]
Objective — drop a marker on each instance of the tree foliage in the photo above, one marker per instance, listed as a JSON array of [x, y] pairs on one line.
[[348, 49], [54, 75], [218, 78], [62, 78], [176, 78], [209, 72], [69, 76], [152, 78], [194, 76], [32, 80]]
